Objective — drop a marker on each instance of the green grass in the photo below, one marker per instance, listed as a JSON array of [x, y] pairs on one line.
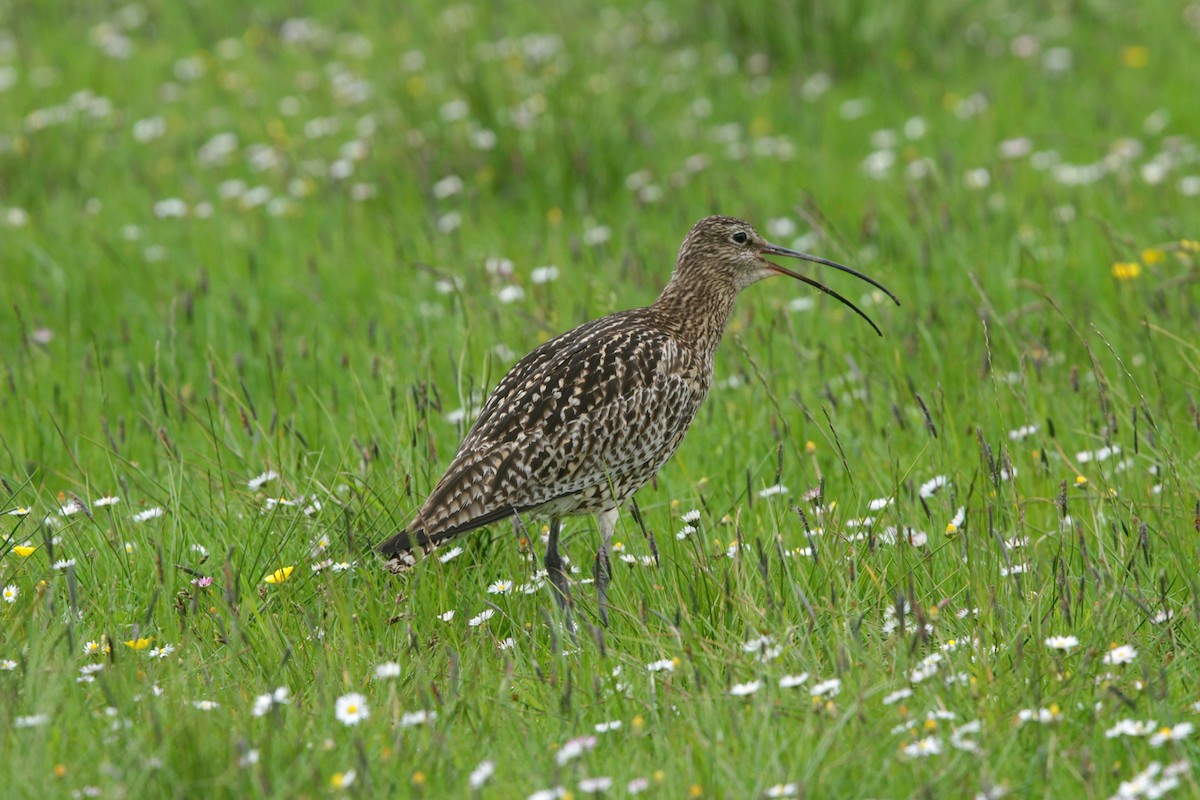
[[299, 324]]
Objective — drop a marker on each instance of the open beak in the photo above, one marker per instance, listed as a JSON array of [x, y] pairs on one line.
[[776, 250]]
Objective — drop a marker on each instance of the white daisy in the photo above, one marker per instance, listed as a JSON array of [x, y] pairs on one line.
[[148, 514], [1120, 654], [1162, 616], [481, 773], [932, 485], [351, 709], [386, 670], [254, 483], [72, 507], [1022, 432], [31, 721], [923, 748], [1131, 727], [162, 652], [959, 740], [265, 702], [416, 718], [1175, 733], [574, 748], [1064, 643], [1042, 715], [595, 785]]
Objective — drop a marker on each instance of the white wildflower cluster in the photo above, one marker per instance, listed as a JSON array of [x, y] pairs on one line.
[[265, 703], [764, 647], [1045, 716], [1153, 782]]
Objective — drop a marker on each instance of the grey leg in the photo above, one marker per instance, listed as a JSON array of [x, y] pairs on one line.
[[608, 523], [558, 576]]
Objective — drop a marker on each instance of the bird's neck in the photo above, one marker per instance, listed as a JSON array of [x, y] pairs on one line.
[[696, 311]]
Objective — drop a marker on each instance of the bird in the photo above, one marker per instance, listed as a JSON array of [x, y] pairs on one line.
[[586, 419]]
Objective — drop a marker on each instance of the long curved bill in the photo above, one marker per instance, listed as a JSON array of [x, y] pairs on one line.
[[776, 250]]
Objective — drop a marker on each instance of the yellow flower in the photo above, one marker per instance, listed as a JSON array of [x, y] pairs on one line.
[[139, 644], [279, 575], [951, 529], [1135, 56], [810, 446], [1190, 246], [418, 778], [554, 216], [24, 550], [1080, 480], [1152, 256], [1126, 270], [342, 780]]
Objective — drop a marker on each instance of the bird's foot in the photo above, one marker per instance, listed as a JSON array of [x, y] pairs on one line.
[[562, 593], [562, 596]]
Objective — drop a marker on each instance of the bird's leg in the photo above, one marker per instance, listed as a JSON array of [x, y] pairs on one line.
[[608, 522], [556, 573]]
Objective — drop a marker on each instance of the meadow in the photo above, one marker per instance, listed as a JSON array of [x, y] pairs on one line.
[[260, 264]]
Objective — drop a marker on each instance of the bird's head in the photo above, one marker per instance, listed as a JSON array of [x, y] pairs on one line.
[[732, 252]]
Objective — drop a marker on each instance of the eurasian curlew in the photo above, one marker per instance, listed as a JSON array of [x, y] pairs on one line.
[[587, 419]]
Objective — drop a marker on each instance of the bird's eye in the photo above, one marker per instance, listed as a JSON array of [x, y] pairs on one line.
[[740, 237]]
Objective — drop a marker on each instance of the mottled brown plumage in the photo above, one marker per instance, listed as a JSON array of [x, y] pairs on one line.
[[586, 419]]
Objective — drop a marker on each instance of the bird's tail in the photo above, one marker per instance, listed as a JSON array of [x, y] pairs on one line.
[[404, 549]]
